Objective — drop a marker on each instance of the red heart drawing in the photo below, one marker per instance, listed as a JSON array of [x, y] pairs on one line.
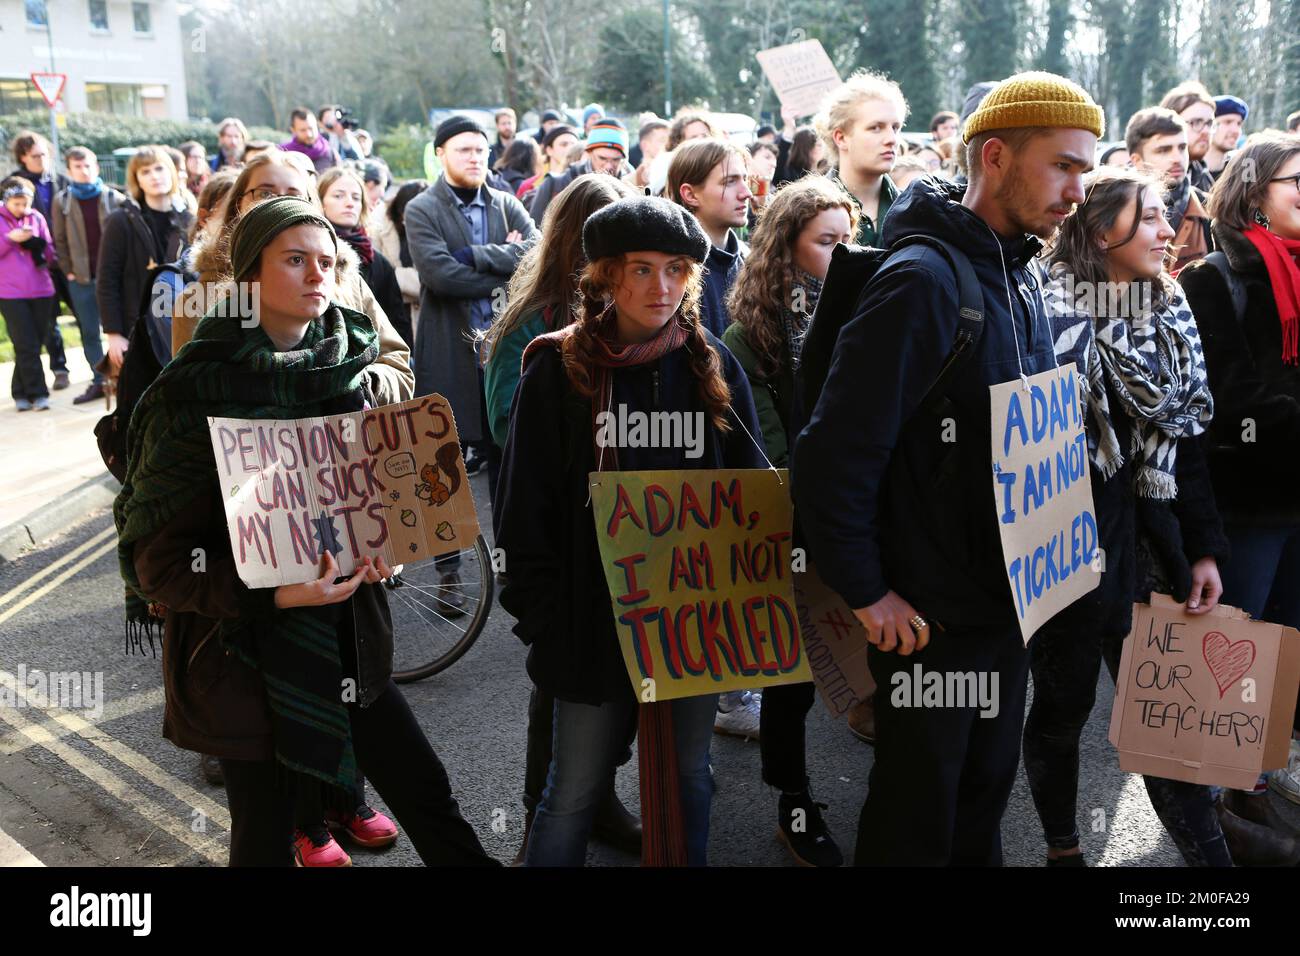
[[1228, 661]]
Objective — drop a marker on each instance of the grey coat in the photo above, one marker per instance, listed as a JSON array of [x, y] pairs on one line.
[[69, 229], [445, 356]]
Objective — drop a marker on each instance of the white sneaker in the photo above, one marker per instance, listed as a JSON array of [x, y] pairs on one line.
[[742, 719], [1287, 782]]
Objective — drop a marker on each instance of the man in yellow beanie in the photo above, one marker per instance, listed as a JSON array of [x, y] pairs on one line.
[[894, 493]]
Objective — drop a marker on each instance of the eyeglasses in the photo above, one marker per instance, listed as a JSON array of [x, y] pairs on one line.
[[268, 192], [1295, 180], [1199, 124]]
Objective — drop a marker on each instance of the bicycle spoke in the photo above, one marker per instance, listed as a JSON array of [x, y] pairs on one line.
[[429, 593], [410, 600]]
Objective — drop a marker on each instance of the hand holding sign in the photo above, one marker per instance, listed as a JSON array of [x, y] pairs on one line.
[[325, 589], [889, 625]]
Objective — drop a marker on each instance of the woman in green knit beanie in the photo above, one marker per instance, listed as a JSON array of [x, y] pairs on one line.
[[260, 678]]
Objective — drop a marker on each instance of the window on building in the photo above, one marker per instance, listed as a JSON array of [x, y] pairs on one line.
[[16, 95], [99, 15], [37, 14], [121, 99], [140, 16]]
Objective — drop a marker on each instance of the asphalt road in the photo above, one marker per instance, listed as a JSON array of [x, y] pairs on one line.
[[108, 790]]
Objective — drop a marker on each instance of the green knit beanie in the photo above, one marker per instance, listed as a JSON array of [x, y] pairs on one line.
[[257, 227]]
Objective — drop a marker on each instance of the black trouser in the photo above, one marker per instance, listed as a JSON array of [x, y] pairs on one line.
[[541, 742], [27, 322], [394, 754], [942, 775], [313, 798], [1066, 663], [54, 338], [781, 735], [488, 450]]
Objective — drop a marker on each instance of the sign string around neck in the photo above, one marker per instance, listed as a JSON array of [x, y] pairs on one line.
[[1006, 284]]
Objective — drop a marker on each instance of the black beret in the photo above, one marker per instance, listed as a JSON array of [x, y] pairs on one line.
[[556, 132], [644, 224], [453, 126], [552, 115]]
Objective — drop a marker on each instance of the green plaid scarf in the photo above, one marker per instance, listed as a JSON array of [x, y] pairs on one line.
[[231, 371]]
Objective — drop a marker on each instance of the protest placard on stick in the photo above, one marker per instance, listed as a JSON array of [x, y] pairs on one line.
[[801, 74], [387, 481], [698, 567], [1042, 490], [1204, 698]]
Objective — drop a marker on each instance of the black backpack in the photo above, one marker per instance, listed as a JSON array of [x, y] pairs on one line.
[[851, 271], [140, 367]]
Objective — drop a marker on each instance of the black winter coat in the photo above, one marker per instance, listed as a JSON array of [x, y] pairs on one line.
[[883, 501], [720, 271], [379, 276], [1254, 440], [555, 583], [126, 256]]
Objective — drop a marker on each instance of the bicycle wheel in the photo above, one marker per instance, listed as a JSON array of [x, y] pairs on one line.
[[427, 637]]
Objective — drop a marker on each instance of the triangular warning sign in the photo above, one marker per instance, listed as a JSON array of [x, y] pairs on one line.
[[50, 86]]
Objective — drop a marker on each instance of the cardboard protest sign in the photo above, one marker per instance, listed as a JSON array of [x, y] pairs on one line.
[[698, 566], [801, 74], [1042, 490], [389, 481], [835, 643], [1207, 699]]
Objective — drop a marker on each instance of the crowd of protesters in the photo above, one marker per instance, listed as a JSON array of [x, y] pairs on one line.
[[660, 264]]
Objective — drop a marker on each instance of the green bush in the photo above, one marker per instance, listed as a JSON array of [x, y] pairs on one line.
[[402, 148], [105, 132]]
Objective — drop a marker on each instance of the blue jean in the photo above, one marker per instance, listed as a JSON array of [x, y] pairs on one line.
[[589, 741], [87, 309]]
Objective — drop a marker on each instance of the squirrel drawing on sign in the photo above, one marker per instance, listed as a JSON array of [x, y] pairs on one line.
[[433, 490]]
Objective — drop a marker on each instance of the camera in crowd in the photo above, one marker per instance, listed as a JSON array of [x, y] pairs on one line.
[[345, 119]]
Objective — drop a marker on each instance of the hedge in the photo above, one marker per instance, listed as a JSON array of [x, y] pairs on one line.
[[105, 132]]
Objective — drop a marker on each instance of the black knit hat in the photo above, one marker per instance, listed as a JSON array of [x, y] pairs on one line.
[[644, 224], [454, 125], [556, 132], [549, 115]]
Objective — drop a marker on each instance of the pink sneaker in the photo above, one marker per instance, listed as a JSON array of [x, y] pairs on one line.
[[318, 848], [367, 827]]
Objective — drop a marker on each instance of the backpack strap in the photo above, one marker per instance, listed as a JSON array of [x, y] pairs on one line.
[[970, 314], [1236, 288]]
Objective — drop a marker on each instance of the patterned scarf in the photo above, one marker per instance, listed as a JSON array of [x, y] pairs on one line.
[[663, 837], [795, 322], [357, 238], [1156, 367], [235, 372]]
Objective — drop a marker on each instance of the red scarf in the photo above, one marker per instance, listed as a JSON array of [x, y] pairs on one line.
[[663, 831], [1281, 257]]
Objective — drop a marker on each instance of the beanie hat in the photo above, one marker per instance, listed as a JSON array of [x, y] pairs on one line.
[[257, 227], [644, 224], [608, 132], [556, 132], [974, 97], [1226, 104], [454, 126], [590, 110], [374, 171], [1036, 99], [551, 115]]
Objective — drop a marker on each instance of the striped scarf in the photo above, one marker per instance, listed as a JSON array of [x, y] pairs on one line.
[[231, 371], [663, 829]]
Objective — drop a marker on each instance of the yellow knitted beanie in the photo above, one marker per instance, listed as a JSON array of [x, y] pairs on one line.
[[1035, 99]]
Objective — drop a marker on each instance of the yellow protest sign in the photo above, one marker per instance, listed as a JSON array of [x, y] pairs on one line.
[[698, 566]]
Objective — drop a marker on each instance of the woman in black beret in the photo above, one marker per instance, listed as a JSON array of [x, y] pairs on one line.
[[637, 346]]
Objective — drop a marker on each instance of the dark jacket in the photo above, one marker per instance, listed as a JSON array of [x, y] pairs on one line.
[[379, 276], [548, 187], [215, 703], [720, 271], [773, 395], [869, 231], [884, 502], [126, 255], [69, 228], [555, 582], [1254, 440]]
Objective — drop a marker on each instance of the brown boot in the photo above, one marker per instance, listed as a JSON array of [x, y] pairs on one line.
[[1257, 808], [1253, 845], [523, 844], [862, 720], [617, 826]]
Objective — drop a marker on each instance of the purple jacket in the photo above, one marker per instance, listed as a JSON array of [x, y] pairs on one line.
[[20, 276]]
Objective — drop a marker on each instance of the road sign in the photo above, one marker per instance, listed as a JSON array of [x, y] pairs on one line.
[[50, 86]]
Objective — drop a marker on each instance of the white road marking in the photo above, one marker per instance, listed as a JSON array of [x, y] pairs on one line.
[[13, 853], [50, 586], [54, 566]]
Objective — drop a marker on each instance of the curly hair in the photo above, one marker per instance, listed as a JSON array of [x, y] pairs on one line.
[[594, 313], [765, 285]]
